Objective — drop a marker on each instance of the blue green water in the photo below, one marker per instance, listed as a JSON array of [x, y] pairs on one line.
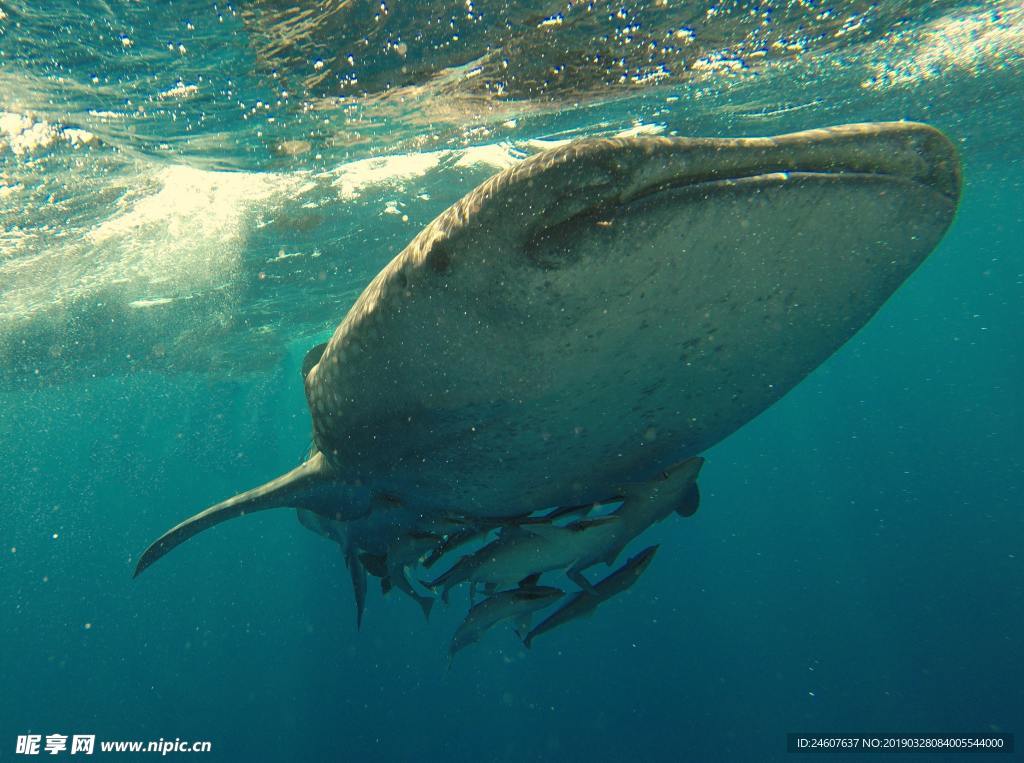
[[176, 233]]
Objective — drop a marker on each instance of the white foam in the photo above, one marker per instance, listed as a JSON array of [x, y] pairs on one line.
[[23, 135], [970, 43], [354, 178], [179, 230]]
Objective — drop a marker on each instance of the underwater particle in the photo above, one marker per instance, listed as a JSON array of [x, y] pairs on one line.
[[87, 626], [14, 549], [56, 535]]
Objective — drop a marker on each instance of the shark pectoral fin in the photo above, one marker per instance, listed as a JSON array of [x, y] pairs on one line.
[[691, 502], [312, 358], [357, 572], [302, 487]]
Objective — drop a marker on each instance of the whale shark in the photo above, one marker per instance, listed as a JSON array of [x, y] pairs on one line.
[[598, 312]]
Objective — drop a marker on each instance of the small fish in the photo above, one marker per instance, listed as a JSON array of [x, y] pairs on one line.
[[520, 552], [583, 603], [517, 603]]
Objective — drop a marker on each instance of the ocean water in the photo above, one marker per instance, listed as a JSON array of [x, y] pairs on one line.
[[193, 193]]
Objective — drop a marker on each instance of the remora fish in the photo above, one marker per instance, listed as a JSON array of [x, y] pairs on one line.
[[598, 296], [583, 603], [517, 603], [522, 552]]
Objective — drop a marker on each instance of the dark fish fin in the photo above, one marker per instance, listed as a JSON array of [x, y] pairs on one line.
[[530, 581], [643, 558], [550, 533], [425, 535], [312, 358], [691, 501], [426, 604], [585, 524], [612, 555], [450, 542], [568, 511], [385, 585], [522, 625], [376, 564], [358, 575], [575, 574], [459, 568], [301, 488]]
